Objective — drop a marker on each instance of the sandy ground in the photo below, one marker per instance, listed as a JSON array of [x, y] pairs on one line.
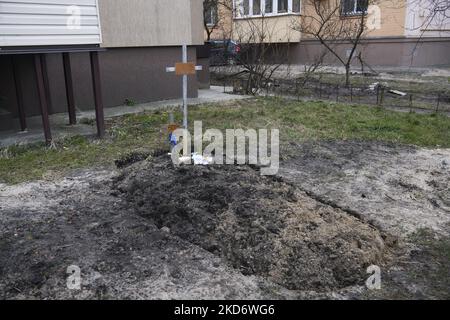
[[399, 189], [136, 233]]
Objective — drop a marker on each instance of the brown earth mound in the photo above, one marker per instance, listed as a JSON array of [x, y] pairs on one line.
[[259, 225]]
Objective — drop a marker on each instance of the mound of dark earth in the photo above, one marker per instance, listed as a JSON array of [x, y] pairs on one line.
[[259, 225]]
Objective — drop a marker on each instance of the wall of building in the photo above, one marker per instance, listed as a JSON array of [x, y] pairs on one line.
[[276, 29], [45, 22], [142, 38], [386, 18], [400, 18], [122, 23], [392, 18], [223, 28], [418, 23], [203, 57], [137, 23], [394, 52], [388, 44], [197, 27], [137, 74]]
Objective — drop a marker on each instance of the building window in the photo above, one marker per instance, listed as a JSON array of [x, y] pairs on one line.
[[296, 4], [354, 7], [257, 7], [282, 6], [269, 7], [246, 7], [211, 15], [249, 8]]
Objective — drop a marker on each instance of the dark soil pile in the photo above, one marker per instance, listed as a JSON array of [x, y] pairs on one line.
[[259, 225]]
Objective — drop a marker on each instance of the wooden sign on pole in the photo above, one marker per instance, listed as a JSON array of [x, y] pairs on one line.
[[184, 69], [187, 69]]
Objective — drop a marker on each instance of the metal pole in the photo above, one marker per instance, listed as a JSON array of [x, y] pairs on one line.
[[99, 115], [19, 95], [438, 102], [378, 95], [185, 90], [69, 89], [42, 97], [46, 80]]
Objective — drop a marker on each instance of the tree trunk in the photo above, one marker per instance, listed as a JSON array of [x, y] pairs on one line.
[[347, 75]]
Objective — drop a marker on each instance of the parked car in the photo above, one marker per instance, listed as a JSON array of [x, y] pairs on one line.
[[224, 52]]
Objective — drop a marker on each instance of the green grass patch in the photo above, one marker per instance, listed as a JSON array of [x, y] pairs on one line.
[[434, 254], [297, 121], [417, 84]]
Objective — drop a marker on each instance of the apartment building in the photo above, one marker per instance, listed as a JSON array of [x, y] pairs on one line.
[[57, 55], [399, 33]]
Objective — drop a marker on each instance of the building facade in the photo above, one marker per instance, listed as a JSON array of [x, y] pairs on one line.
[[398, 33], [135, 41]]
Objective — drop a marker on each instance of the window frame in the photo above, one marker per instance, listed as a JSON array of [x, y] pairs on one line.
[[355, 11], [212, 14], [238, 7], [288, 4]]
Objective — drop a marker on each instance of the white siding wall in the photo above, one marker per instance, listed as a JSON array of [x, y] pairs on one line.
[[45, 22]]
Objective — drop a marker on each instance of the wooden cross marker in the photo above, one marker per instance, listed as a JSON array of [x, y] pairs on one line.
[[184, 69]]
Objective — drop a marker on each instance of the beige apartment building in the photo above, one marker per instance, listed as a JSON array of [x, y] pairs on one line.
[[398, 33], [61, 41]]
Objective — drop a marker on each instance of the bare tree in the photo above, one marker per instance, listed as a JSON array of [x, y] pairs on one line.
[[333, 22], [310, 70], [215, 12], [260, 56], [437, 12], [426, 18]]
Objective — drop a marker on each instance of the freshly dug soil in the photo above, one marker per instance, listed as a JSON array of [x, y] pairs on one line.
[[83, 220], [259, 225]]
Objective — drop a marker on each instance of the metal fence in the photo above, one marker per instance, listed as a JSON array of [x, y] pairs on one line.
[[379, 95]]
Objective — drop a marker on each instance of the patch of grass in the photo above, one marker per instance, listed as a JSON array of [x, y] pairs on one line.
[[87, 121], [418, 85], [130, 102], [438, 245], [423, 274], [434, 253], [125, 134], [321, 120], [297, 121]]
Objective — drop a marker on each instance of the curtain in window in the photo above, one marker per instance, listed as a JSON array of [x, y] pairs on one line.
[[296, 6], [282, 6], [354, 6], [256, 7], [348, 6], [362, 5], [211, 14], [269, 6], [246, 5]]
